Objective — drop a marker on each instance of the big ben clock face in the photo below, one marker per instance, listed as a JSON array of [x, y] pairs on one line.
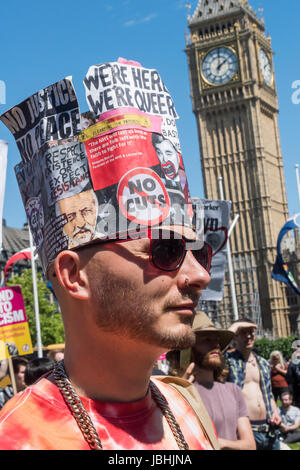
[[265, 67], [219, 66]]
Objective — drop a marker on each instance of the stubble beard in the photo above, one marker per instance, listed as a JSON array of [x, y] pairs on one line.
[[122, 310]]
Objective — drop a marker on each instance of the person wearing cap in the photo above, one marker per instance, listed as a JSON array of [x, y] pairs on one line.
[[293, 373], [224, 401], [124, 301], [252, 374]]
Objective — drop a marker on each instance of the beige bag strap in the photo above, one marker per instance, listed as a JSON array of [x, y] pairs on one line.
[[190, 394]]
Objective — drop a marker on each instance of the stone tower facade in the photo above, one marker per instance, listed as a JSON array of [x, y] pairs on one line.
[[235, 103]]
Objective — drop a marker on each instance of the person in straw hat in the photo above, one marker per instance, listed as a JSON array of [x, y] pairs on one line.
[[224, 401], [130, 292]]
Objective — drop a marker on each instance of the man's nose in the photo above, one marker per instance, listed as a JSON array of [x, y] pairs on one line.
[[80, 220], [194, 272]]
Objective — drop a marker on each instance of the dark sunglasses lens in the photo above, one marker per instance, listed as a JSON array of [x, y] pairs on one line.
[[203, 257], [168, 254]]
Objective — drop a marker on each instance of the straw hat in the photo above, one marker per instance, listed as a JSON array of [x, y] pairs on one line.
[[203, 325]]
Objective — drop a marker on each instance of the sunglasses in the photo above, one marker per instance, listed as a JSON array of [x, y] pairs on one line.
[[169, 254]]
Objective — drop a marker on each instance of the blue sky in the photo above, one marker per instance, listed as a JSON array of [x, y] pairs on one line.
[[42, 42]]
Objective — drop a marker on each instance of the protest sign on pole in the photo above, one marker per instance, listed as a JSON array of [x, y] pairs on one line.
[[36, 299], [12, 375], [3, 165], [14, 329], [216, 223]]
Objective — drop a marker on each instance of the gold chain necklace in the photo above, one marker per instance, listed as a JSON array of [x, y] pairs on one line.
[[85, 423]]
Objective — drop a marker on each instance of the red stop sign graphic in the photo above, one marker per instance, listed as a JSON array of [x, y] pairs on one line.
[[142, 197]]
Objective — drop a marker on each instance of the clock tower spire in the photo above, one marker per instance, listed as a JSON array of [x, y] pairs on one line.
[[235, 103]]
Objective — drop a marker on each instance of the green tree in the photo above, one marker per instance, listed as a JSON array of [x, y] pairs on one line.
[[52, 331], [265, 346]]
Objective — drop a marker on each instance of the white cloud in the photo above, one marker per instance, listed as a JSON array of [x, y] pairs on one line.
[[145, 19]]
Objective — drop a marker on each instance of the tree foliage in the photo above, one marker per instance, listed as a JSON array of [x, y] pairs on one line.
[[52, 331], [265, 346]]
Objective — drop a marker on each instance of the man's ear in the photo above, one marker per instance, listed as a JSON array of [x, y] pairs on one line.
[[71, 275]]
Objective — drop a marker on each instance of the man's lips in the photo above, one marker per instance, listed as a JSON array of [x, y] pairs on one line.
[[81, 232], [215, 353], [184, 308]]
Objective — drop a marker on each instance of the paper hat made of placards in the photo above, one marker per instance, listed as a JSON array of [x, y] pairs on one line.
[[111, 172]]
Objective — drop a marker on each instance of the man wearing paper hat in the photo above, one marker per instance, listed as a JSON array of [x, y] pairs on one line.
[[128, 295], [223, 400]]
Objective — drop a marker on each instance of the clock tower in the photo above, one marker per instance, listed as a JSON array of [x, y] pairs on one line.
[[235, 103]]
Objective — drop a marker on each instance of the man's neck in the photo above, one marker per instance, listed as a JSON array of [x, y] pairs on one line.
[[246, 352], [203, 375], [113, 370]]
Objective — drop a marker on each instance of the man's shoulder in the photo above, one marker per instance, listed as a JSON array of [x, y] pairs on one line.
[[294, 410], [229, 389], [42, 391], [261, 360], [229, 386], [234, 356]]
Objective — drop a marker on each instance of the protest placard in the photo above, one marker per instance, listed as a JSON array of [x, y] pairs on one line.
[[15, 337], [216, 224], [50, 114]]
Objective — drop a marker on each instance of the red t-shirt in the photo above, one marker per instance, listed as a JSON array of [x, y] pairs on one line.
[[277, 379], [39, 419]]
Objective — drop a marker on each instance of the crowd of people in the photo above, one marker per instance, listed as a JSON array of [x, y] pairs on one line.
[[253, 403]]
